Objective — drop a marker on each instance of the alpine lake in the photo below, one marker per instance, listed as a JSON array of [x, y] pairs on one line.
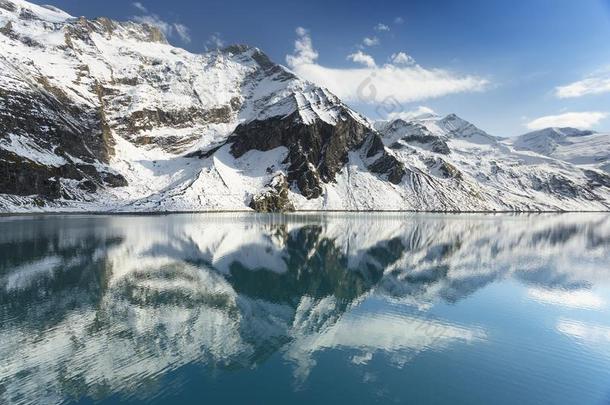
[[305, 308]]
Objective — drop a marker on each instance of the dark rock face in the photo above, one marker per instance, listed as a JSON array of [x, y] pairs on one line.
[[382, 161], [23, 177], [418, 134], [597, 179], [150, 119], [274, 197], [443, 168], [435, 143], [77, 132], [62, 129], [562, 186], [7, 5], [316, 152]]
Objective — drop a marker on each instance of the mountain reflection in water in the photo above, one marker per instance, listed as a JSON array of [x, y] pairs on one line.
[[105, 307]]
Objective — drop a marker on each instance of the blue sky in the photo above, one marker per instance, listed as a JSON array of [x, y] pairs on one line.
[[507, 66]]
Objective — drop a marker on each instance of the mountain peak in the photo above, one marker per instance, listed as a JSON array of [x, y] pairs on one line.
[[569, 131], [30, 11], [555, 133]]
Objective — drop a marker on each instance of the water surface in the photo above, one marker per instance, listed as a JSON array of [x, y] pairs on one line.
[[301, 309]]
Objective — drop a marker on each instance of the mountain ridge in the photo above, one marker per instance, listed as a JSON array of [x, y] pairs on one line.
[[98, 115]]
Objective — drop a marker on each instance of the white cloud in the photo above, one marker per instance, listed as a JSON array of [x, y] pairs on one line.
[[303, 49], [376, 84], [168, 29], [183, 32], [581, 120], [139, 6], [419, 112], [372, 41], [596, 83], [362, 58], [402, 58], [399, 20], [381, 27], [215, 41]]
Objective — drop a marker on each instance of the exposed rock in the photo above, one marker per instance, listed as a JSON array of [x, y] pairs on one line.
[[380, 161], [7, 5], [597, 179], [562, 186], [443, 168], [114, 179], [150, 119], [274, 197], [414, 133], [317, 152], [436, 144], [7, 30], [25, 177]]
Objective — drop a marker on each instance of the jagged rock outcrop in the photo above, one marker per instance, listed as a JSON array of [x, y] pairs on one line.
[[316, 151], [381, 161], [274, 197]]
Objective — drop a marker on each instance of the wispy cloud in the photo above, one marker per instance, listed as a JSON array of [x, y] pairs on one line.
[[168, 29], [412, 114], [581, 120], [140, 6], [183, 32], [370, 41], [399, 20], [402, 58], [215, 41], [596, 83], [381, 27], [362, 58], [374, 84]]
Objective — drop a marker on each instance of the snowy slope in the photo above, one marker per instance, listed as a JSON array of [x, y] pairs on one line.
[[460, 155], [100, 115], [583, 148]]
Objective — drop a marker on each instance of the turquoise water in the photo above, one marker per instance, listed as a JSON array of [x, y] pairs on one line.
[[301, 309]]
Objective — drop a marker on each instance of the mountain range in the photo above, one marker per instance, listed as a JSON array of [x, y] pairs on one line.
[[100, 115]]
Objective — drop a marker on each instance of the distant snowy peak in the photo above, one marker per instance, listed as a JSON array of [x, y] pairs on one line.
[[581, 147], [450, 126], [453, 126], [548, 136]]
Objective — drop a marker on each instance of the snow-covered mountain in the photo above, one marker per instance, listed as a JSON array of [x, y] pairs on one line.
[[583, 148], [102, 115], [495, 170]]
